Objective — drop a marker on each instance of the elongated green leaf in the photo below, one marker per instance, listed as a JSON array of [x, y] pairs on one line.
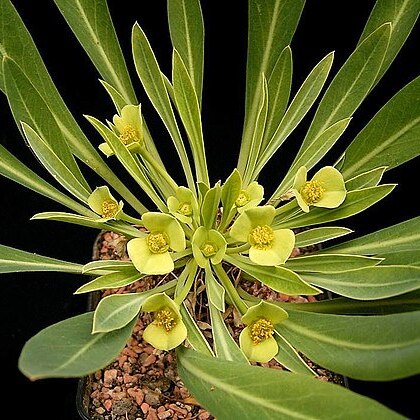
[[230, 191], [333, 263], [344, 306], [210, 205], [194, 335], [271, 25], [279, 85], [318, 235], [351, 84], [279, 279], [262, 393], [111, 280], [54, 165], [312, 153], [14, 260], [69, 350], [290, 358], [115, 226], [16, 43], [403, 236], [107, 265], [116, 96], [189, 110], [224, 345], [151, 78], [215, 292], [12, 168], [408, 257], [300, 105], [369, 283], [93, 27], [355, 202], [186, 27], [403, 15], [359, 347], [366, 179], [390, 138], [29, 107]]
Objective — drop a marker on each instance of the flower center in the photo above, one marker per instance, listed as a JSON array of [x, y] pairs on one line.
[[165, 318], [261, 330], [208, 249], [262, 237], [158, 242], [243, 198], [109, 208], [185, 209], [312, 192], [129, 135]]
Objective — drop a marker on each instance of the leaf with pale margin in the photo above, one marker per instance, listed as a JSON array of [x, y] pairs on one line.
[[93, 27], [355, 202], [390, 138], [224, 345], [271, 25], [210, 205], [318, 235], [14, 260], [278, 278], [407, 257], [111, 280], [215, 291], [186, 28], [107, 265], [12, 168], [329, 263], [262, 393], [68, 349], [370, 348], [366, 179], [403, 236], [369, 283]]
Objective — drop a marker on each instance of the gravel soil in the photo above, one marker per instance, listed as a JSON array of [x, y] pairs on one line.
[[142, 383]]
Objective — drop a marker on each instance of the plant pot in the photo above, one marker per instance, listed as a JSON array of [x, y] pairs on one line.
[[142, 382]]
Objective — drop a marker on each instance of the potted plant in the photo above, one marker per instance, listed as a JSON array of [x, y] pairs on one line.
[[200, 229]]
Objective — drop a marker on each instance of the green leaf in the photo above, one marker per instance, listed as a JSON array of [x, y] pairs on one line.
[[107, 265], [28, 106], [300, 105], [344, 306], [224, 345], [215, 292], [408, 257], [369, 283], [186, 27], [310, 154], [279, 279], [402, 15], [262, 393], [210, 206], [279, 85], [12, 168], [194, 336], [116, 96], [330, 263], [230, 191], [318, 235], [93, 27], [68, 349], [403, 236], [54, 165], [290, 358], [16, 43], [111, 280], [380, 348], [151, 78], [189, 110], [366, 179], [271, 25], [351, 84], [92, 222], [355, 202], [14, 260], [391, 136]]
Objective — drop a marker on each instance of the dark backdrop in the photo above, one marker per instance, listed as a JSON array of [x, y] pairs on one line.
[[30, 302]]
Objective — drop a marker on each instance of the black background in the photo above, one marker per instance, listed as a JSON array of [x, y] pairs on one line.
[[30, 302]]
